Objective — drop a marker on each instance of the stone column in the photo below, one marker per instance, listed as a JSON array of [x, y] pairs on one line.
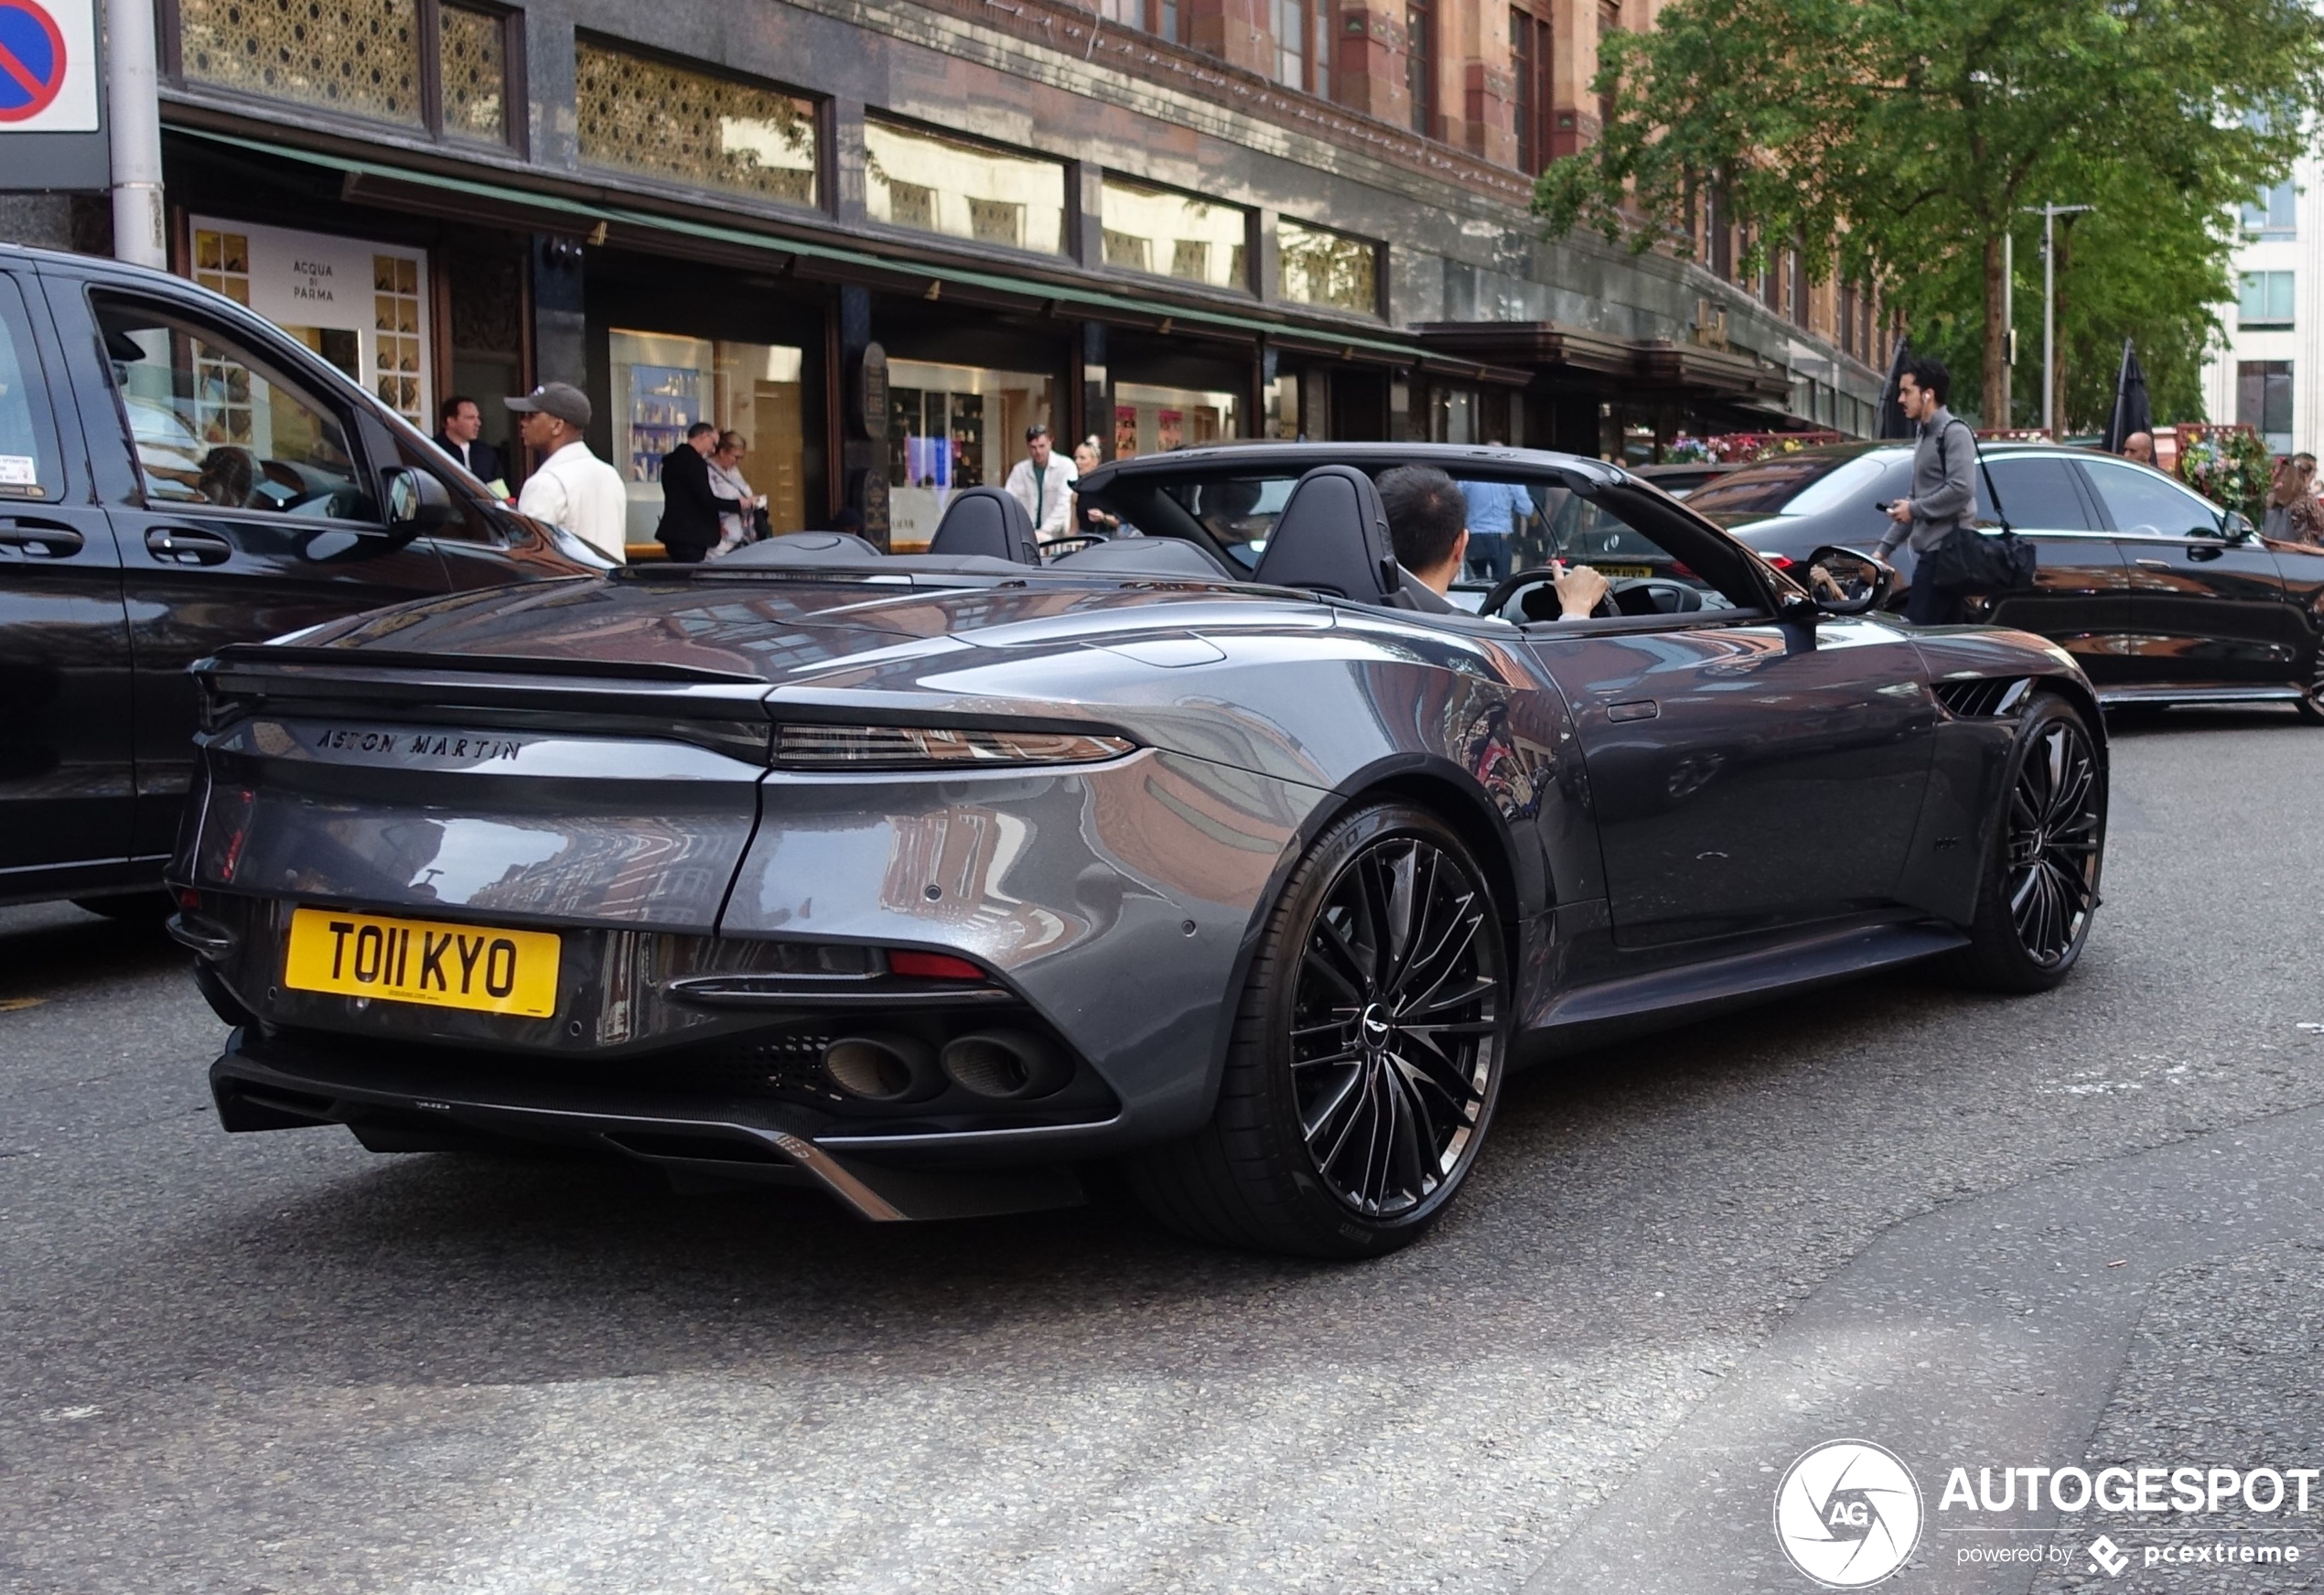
[[1239, 32], [1368, 66]]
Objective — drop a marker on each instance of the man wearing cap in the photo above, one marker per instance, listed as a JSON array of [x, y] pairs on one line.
[[574, 489]]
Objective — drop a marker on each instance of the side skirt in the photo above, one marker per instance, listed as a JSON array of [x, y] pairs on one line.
[[1608, 1010]]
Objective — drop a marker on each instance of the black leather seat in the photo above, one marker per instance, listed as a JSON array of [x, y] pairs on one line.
[[986, 520], [1333, 537]]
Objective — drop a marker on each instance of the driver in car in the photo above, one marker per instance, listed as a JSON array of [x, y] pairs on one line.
[[1428, 524]]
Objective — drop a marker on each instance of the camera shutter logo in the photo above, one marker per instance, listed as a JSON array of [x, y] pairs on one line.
[[1847, 1513]]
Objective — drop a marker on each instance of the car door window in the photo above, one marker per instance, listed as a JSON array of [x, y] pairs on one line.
[[1661, 561], [2145, 503], [215, 423], [28, 465], [2038, 495]]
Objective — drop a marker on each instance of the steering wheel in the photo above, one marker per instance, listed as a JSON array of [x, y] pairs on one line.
[[1534, 575], [1643, 595]]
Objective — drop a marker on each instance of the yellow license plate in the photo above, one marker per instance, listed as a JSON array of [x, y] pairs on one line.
[[483, 967], [1624, 572]]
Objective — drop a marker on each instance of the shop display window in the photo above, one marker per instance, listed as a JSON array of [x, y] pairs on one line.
[[1168, 234], [952, 426], [923, 180], [361, 305], [664, 384], [638, 113], [1151, 420], [1331, 269]]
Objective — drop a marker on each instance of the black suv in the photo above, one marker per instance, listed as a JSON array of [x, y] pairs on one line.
[[176, 474]]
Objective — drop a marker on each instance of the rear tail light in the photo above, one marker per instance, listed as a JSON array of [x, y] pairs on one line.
[[936, 747], [1781, 561]]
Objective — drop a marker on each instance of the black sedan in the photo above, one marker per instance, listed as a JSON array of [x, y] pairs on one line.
[[924, 881], [2161, 597]]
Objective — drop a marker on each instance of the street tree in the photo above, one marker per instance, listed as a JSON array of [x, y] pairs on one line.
[[1897, 140]]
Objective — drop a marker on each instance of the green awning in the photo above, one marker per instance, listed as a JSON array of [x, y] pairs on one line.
[[585, 218]]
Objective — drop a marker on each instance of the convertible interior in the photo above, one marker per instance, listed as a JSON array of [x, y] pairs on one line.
[[1327, 534]]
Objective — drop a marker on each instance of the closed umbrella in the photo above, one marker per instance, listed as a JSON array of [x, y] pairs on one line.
[[1892, 421], [2131, 413]]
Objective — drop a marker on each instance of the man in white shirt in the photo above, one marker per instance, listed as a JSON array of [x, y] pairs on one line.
[[574, 489], [1044, 485]]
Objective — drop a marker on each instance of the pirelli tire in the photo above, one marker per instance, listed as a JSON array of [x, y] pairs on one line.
[[1369, 1046]]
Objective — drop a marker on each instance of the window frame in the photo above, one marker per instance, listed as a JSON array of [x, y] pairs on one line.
[[1378, 310], [2094, 478], [1110, 178], [1533, 73], [1069, 185], [2267, 321], [51, 471]]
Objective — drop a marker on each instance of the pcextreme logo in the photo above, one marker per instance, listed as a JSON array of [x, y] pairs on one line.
[[1847, 1513]]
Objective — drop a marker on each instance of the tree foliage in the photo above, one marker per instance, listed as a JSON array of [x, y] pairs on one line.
[[1897, 140]]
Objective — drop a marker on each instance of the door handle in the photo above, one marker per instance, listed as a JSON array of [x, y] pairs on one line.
[[39, 539], [1636, 709], [2153, 564], [176, 545]]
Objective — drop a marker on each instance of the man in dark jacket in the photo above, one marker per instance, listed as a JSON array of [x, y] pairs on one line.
[[461, 436], [689, 527]]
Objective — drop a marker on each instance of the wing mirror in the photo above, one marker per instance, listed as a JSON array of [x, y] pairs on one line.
[[1841, 581], [417, 501], [2236, 526]]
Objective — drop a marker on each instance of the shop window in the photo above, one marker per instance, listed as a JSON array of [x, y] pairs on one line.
[[2266, 300], [472, 72], [1529, 60], [2263, 400], [1331, 269], [639, 114], [664, 384], [1151, 420], [1453, 416], [1180, 235], [213, 425], [952, 427], [361, 305], [362, 58], [920, 179]]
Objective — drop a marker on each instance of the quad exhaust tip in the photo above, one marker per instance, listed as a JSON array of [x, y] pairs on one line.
[[998, 1065]]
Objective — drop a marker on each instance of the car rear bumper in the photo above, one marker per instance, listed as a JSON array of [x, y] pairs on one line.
[[401, 1099]]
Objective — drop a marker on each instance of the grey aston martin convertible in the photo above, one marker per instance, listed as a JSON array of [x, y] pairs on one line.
[[929, 881]]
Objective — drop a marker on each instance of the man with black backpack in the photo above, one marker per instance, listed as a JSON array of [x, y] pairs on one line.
[[1944, 493]]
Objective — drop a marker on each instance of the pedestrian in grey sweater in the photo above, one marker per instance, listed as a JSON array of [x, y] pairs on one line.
[[1945, 488]]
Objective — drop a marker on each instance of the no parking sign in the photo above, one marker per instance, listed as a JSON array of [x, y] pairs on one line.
[[51, 93]]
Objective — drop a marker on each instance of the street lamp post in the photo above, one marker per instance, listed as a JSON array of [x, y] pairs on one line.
[[133, 106], [2050, 214]]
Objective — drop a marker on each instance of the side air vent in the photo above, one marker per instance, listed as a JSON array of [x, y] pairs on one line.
[[1984, 700]]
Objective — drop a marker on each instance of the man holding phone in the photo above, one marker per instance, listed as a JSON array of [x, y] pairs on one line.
[[1945, 488]]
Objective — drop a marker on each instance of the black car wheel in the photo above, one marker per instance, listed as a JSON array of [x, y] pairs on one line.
[[2312, 701], [1367, 1053], [2040, 881]]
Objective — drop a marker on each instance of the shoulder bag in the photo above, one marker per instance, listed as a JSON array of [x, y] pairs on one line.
[[1969, 560]]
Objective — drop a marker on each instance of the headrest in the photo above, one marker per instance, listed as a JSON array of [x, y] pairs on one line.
[[1333, 537], [805, 548], [986, 520], [1146, 556]]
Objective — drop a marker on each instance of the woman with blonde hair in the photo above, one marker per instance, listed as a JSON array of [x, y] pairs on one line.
[[2293, 514], [1089, 521]]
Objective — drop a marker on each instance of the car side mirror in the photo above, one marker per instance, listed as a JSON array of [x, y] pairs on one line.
[[417, 501], [2236, 526], [1842, 581]]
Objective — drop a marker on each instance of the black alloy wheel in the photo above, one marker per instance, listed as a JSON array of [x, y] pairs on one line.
[[2043, 863], [2311, 703], [1395, 1020], [1367, 1054]]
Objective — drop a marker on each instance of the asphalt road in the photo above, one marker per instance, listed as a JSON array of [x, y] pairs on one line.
[[279, 1363]]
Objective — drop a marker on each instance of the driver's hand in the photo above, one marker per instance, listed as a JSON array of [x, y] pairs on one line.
[[1579, 589], [1821, 582]]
